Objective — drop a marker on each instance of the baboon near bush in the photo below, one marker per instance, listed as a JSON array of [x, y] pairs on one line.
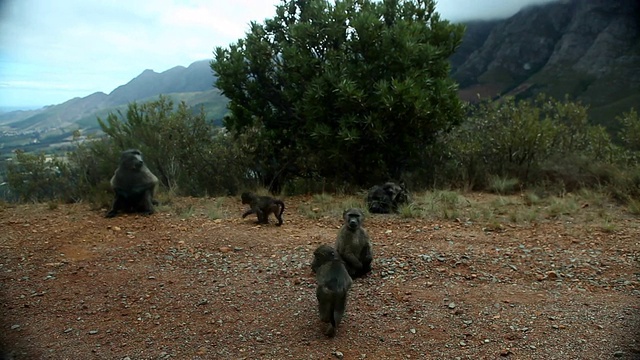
[[354, 245], [133, 185], [386, 198], [333, 286], [262, 206]]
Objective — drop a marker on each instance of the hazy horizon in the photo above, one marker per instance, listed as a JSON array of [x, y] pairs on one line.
[[52, 52]]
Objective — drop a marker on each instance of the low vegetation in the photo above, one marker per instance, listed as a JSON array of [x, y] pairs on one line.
[[304, 118]]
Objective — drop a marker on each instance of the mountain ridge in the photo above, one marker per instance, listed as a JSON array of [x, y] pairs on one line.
[[589, 49]]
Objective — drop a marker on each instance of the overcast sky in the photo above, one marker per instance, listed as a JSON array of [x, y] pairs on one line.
[[54, 50]]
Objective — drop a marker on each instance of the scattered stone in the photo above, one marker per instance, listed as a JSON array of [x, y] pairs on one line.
[[68, 330], [338, 354], [452, 305], [551, 275], [15, 327], [618, 354], [93, 332], [412, 330]]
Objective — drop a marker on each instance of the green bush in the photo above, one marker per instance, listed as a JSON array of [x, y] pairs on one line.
[[534, 141], [38, 178], [187, 154]]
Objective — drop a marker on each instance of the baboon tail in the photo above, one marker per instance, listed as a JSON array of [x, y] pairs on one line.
[[281, 203], [333, 321]]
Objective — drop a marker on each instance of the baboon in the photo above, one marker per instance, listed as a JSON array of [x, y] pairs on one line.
[[262, 206], [133, 185], [386, 198], [353, 244], [334, 283]]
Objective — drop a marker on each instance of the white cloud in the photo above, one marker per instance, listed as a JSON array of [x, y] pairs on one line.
[[94, 46]]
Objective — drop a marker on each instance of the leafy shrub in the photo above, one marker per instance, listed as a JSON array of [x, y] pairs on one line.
[[530, 140], [37, 178]]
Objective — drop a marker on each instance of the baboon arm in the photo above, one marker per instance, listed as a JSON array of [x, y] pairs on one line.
[[352, 261], [117, 204], [247, 213], [367, 254]]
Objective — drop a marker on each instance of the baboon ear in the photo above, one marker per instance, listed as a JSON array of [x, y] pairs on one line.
[[344, 212]]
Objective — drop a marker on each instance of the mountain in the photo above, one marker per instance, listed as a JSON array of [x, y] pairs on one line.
[[589, 49], [197, 77], [36, 129]]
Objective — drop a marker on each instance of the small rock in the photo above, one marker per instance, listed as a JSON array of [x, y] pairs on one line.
[[93, 332], [505, 352], [225, 249], [551, 275], [15, 327], [338, 354], [452, 305], [203, 302], [618, 354], [68, 330], [413, 331]]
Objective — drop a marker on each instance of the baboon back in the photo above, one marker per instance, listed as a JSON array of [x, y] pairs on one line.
[[386, 198], [334, 283]]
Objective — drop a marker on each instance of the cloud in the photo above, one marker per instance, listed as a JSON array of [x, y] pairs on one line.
[[99, 45]]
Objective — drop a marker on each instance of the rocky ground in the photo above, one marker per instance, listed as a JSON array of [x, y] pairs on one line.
[[182, 284]]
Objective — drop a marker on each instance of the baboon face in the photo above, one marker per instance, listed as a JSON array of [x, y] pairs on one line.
[[131, 159], [353, 218], [246, 198]]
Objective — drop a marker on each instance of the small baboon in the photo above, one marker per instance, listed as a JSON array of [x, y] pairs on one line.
[[262, 206], [353, 244], [133, 185], [334, 283], [386, 198]]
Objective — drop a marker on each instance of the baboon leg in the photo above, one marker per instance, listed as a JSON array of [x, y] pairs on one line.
[[354, 266], [331, 331], [324, 305], [247, 213], [118, 204], [367, 258], [279, 217], [263, 218], [339, 307], [147, 204]]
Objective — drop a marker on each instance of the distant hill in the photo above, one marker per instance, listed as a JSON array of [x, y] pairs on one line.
[[589, 49], [197, 77], [36, 129]]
